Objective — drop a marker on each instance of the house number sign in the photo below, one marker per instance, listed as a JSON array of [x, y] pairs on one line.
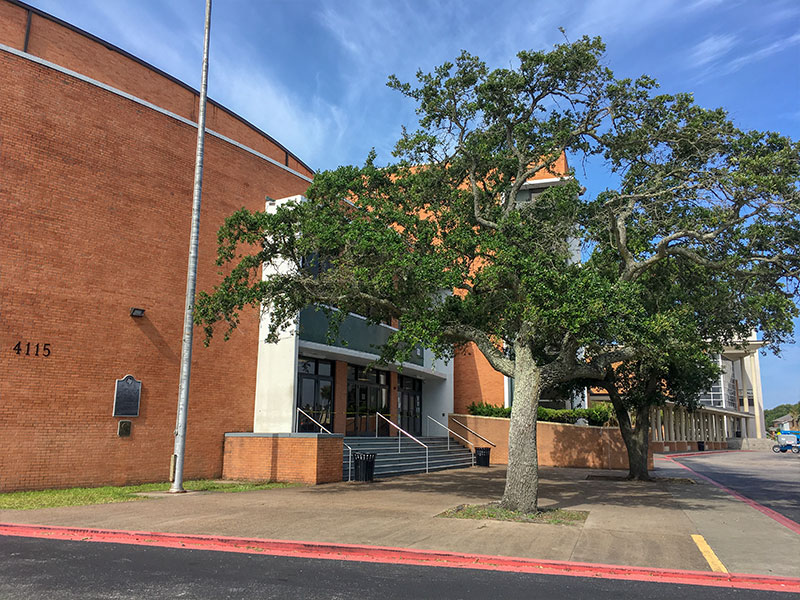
[[31, 349]]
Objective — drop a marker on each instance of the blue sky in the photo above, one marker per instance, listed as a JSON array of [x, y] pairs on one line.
[[312, 73]]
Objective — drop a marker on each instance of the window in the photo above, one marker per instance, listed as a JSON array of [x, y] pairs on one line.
[[315, 393]]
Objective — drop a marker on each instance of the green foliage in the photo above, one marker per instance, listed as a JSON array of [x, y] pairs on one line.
[[481, 409], [598, 415], [693, 246], [776, 413]]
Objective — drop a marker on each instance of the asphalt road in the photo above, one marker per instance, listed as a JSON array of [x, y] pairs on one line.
[[37, 568], [768, 478]]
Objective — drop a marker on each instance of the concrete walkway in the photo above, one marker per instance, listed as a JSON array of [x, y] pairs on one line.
[[629, 523]]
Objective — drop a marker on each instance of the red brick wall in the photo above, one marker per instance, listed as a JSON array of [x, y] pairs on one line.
[[12, 25], [340, 398], [283, 457], [558, 444], [61, 45], [475, 380], [95, 210]]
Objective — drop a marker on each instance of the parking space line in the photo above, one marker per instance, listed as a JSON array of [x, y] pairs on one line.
[[711, 558]]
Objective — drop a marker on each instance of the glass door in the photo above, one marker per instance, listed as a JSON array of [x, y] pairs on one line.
[[409, 404], [367, 394]]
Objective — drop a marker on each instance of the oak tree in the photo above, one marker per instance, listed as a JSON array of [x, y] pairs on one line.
[[452, 239]]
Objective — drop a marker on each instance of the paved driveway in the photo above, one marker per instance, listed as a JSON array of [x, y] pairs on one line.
[[768, 478]]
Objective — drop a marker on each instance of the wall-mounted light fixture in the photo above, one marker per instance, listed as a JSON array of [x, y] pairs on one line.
[[137, 312]]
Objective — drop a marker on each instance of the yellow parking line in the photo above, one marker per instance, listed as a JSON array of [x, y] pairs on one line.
[[708, 554]]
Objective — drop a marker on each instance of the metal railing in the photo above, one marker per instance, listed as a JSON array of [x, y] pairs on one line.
[[404, 432], [455, 434], [326, 430], [475, 433]]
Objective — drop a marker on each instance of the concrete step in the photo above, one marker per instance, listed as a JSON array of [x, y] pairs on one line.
[[411, 457]]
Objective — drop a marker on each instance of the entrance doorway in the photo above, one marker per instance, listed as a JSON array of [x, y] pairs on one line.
[[367, 394], [409, 404]]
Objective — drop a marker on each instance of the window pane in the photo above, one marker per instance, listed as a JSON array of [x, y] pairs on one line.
[[325, 395], [307, 386], [305, 365], [324, 368]]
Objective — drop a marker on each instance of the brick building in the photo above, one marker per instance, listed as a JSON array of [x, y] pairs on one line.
[[96, 168]]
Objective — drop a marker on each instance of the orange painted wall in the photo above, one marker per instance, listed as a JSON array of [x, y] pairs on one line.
[[558, 444]]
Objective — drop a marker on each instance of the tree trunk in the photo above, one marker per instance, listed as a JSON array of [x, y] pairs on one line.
[[522, 479], [636, 437]]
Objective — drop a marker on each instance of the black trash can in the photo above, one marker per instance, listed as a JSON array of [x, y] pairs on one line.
[[482, 456], [701, 445], [364, 463]]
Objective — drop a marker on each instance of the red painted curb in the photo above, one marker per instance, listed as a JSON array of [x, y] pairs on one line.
[[775, 516], [380, 554]]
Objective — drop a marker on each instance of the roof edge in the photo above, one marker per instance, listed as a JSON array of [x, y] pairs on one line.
[[155, 69]]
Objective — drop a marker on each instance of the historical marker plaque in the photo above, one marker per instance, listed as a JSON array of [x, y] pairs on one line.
[[127, 394]]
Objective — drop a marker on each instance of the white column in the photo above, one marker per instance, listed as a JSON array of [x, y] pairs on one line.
[[659, 423], [757, 399], [745, 384], [683, 424], [653, 434], [276, 370], [667, 424], [672, 436]]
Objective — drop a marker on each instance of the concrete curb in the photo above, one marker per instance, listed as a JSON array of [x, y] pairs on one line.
[[379, 554]]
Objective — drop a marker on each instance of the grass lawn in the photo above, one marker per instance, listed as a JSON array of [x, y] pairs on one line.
[[108, 494], [551, 516]]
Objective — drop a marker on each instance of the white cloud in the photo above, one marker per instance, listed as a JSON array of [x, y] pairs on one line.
[[711, 49], [307, 126], [762, 53], [632, 18]]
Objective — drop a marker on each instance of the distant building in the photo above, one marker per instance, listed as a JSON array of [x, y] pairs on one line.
[[786, 423]]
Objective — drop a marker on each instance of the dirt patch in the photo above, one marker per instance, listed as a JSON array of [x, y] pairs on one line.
[[494, 512]]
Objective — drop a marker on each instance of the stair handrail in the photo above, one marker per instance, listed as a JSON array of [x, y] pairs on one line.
[[404, 432], [451, 431], [326, 430], [455, 434], [456, 421]]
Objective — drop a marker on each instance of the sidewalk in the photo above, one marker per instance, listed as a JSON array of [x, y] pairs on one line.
[[629, 523]]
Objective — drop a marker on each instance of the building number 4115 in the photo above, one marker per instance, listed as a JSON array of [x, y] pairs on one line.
[[32, 349]]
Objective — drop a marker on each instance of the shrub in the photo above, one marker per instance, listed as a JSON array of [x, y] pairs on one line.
[[598, 415], [488, 410]]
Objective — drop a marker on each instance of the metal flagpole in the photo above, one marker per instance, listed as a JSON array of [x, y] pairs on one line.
[[176, 470]]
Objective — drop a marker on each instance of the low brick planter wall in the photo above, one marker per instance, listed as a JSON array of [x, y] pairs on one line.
[[288, 457], [558, 444], [664, 447]]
